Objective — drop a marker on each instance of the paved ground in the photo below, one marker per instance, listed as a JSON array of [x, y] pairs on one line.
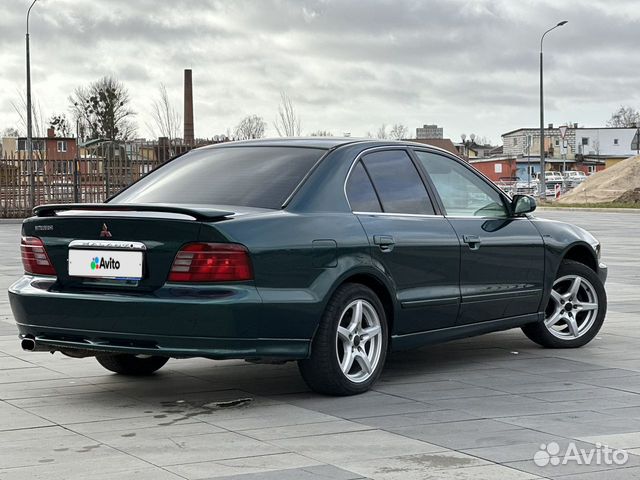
[[472, 409]]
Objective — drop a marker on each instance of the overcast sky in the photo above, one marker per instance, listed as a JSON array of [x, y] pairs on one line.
[[349, 66]]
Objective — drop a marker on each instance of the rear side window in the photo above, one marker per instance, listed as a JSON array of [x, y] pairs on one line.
[[245, 176], [362, 197], [397, 182]]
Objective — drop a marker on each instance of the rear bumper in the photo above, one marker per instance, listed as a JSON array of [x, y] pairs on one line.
[[217, 322]]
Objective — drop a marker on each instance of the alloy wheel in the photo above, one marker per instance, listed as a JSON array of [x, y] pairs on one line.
[[572, 308], [359, 341]]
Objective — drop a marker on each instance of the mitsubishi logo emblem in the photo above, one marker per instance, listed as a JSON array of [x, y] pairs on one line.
[[105, 233]]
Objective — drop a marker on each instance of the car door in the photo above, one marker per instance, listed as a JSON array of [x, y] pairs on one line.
[[502, 257], [416, 248]]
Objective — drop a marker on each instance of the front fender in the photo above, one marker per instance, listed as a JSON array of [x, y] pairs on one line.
[[560, 240]]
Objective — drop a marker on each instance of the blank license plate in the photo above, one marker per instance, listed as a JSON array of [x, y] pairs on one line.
[[105, 264]]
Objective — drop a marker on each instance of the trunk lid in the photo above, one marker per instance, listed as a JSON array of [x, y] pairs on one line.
[[161, 229]]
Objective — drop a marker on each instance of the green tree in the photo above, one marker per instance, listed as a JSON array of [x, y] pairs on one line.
[[103, 108], [60, 125]]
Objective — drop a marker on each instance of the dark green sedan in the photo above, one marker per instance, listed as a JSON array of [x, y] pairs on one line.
[[331, 252]]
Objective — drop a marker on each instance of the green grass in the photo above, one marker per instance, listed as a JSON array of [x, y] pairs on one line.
[[591, 205]]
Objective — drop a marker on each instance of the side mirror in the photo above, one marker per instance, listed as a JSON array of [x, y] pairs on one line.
[[521, 204]]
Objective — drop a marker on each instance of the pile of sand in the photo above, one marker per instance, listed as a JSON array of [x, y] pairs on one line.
[[630, 196], [609, 185]]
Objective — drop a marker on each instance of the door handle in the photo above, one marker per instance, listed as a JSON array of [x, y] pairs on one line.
[[385, 242], [472, 240]]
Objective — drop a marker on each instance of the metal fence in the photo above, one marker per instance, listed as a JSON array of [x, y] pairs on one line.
[[90, 175]]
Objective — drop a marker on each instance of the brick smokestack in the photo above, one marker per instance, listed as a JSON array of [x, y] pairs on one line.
[[188, 108]]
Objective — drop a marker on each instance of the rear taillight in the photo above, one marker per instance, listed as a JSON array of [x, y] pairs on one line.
[[34, 257], [211, 262]]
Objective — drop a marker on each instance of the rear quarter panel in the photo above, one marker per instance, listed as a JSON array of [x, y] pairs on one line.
[[298, 259]]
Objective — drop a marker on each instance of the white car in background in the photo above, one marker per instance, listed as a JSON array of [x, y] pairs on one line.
[[553, 177], [552, 180], [573, 178]]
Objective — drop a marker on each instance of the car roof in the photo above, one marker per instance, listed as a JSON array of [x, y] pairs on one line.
[[309, 142], [326, 143]]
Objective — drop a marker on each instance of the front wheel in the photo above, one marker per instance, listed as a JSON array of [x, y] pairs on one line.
[[576, 309], [127, 364], [350, 346]]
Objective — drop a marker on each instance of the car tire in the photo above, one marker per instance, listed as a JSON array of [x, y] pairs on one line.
[[575, 312], [350, 346], [134, 365]]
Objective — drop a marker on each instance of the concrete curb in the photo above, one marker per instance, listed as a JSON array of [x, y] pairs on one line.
[[587, 209]]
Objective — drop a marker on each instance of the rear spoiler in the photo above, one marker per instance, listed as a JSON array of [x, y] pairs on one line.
[[199, 212]]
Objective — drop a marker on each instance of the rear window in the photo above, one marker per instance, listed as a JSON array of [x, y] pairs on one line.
[[246, 176]]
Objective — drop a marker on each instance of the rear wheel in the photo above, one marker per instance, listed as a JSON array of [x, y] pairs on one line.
[[350, 346], [576, 309], [126, 364]]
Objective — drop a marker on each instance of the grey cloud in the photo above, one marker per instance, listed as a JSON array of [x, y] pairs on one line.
[[349, 65]]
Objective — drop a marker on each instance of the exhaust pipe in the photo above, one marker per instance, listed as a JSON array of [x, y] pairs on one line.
[[28, 344]]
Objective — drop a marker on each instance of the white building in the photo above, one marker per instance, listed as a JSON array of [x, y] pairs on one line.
[[606, 141], [429, 131], [603, 145]]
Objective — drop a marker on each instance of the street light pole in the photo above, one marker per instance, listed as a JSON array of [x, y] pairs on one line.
[[541, 180], [32, 185]]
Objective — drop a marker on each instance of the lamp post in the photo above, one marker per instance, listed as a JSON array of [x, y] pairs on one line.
[[542, 186], [32, 186]]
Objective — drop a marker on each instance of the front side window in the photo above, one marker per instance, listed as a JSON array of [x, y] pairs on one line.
[[463, 193], [397, 182], [244, 176], [362, 197]]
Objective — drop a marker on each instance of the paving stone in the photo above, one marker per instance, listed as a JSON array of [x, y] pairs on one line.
[[348, 447], [248, 467], [166, 450], [619, 473], [13, 418], [470, 409], [306, 430], [320, 472], [472, 434], [414, 466]]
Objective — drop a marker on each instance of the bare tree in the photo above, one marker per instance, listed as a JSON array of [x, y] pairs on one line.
[[287, 122], [321, 133], [166, 118], [103, 109], [251, 126], [625, 116], [10, 132], [37, 119], [482, 140], [398, 131], [60, 125], [382, 132]]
